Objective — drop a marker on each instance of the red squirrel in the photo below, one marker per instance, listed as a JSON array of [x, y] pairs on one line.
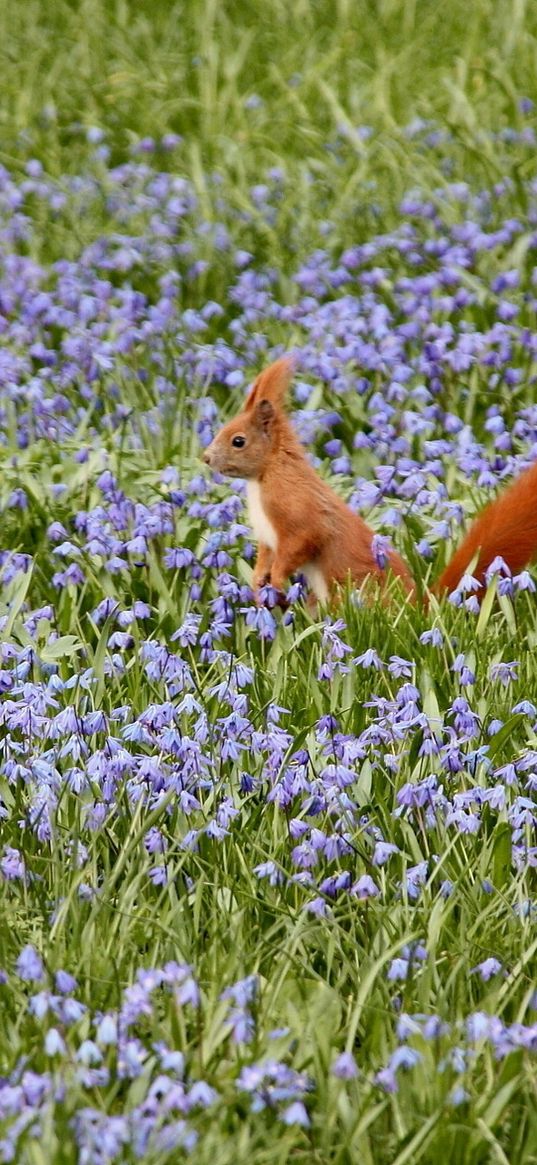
[[302, 525]]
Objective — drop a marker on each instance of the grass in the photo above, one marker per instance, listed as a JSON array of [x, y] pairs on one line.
[[248, 89]]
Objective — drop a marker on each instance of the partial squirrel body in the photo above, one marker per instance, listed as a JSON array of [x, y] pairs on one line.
[[506, 528], [301, 525], [266, 534], [260, 523]]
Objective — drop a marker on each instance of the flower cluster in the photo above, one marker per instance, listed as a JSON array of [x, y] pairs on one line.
[[81, 1052]]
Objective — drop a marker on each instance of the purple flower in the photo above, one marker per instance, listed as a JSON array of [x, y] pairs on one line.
[[261, 620], [88, 1053], [433, 636], [12, 864], [524, 582], [404, 1058], [399, 667], [269, 870], [243, 992], [383, 851], [154, 841], [202, 1094], [398, 970], [296, 1114], [107, 1030], [29, 965], [458, 1095], [381, 547], [344, 1067], [506, 673], [387, 1080], [368, 659], [487, 969], [415, 878], [54, 1043], [365, 888], [65, 982]]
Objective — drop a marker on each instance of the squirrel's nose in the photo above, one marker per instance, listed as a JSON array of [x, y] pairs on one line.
[[207, 457]]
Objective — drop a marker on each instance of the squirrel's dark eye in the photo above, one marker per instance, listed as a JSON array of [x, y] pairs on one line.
[[238, 442]]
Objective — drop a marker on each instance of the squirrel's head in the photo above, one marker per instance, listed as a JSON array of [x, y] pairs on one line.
[[243, 446]]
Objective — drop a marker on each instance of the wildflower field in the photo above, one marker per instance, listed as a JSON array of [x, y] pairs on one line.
[[268, 888]]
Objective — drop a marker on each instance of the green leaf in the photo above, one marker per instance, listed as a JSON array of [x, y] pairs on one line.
[[502, 855], [487, 607], [61, 648], [505, 734], [494, 1109], [15, 596]]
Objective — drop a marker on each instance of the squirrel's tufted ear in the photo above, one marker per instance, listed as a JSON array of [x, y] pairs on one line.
[[272, 384], [264, 415]]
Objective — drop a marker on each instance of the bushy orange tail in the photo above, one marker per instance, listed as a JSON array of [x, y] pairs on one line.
[[506, 527]]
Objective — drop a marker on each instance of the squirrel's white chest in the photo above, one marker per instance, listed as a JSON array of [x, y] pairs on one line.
[[264, 532], [260, 523]]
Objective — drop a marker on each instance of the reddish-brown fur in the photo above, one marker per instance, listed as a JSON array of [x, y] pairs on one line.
[[506, 527], [313, 527]]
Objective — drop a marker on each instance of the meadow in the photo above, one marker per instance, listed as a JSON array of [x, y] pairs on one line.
[[267, 881]]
